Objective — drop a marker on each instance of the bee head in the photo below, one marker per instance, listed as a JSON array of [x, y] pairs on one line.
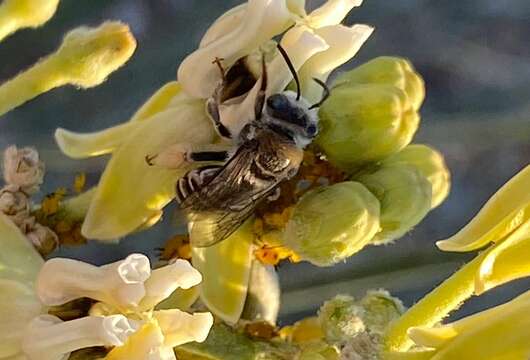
[[292, 117]]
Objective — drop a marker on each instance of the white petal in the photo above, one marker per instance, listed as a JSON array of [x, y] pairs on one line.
[[165, 280], [180, 327], [331, 13], [49, 338], [263, 20], [120, 284], [300, 44], [344, 42], [225, 24]]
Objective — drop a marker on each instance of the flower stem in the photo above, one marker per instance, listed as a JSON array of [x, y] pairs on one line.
[[448, 296]]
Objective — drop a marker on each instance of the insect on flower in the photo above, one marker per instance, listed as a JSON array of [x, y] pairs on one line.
[[217, 199]]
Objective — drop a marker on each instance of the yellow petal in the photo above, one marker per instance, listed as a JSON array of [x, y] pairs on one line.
[[18, 259], [344, 42], [79, 146], [158, 101], [86, 58], [18, 14], [225, 269], [19, 265], [507, 261], [146, 343], [504, 212], [18, 305], [224, 24], [130, 192], [497, 333], [180, 299]]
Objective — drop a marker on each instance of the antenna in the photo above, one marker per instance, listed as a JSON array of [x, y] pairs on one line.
[[291, 68], [324, 96]]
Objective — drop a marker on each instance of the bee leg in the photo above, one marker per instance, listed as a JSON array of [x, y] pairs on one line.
[[212, 108], [218, 61], [260, 98], [275, 195], [177, 155]]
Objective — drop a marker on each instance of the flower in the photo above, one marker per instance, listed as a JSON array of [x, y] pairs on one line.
[[499, 332], [503, 221], [127, 290], [131, 195]]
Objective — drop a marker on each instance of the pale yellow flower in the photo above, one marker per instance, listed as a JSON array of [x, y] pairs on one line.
[[131, 195], [500, 333], [503, 221]]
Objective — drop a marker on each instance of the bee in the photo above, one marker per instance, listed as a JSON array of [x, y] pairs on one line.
[[217, 199]]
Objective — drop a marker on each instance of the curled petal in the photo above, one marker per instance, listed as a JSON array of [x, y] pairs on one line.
[[263, 19], [131, 192], [301, 44], [331, 13], [225, 268], [165, 280], [504, 212], [502, 328], [49, 338], [120, 284], [344, 42], [180, 327], [507, 261]]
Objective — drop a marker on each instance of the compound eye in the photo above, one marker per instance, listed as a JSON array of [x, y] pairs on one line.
[[278, 102], [311, 130]]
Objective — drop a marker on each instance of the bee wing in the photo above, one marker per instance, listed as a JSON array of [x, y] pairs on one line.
[[218, 209]]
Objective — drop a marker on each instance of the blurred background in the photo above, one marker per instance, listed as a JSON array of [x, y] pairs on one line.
[[473, 54]]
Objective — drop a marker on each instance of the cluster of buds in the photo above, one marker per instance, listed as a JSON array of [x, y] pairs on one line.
[[374, 186], [23, 175]]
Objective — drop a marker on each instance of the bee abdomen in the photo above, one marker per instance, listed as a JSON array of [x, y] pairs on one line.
[[194, 180]]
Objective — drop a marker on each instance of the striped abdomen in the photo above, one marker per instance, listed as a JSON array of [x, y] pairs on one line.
[[193, 181]]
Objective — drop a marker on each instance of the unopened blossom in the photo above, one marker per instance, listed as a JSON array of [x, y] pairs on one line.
[[23, 168], [18, 14]]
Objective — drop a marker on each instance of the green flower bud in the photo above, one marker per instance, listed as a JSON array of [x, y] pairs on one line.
[[391, 71], [341, 319], [405, 195], [332, 223], [431, 164], [380, 309], [372, 112], [364, 123]]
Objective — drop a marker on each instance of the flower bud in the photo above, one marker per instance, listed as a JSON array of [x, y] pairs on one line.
[[431, 164], [332, 223], [18, 14], [341, 319], [23, 168], [380, 308], [405, 196], [365, 122], [388, 70]]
